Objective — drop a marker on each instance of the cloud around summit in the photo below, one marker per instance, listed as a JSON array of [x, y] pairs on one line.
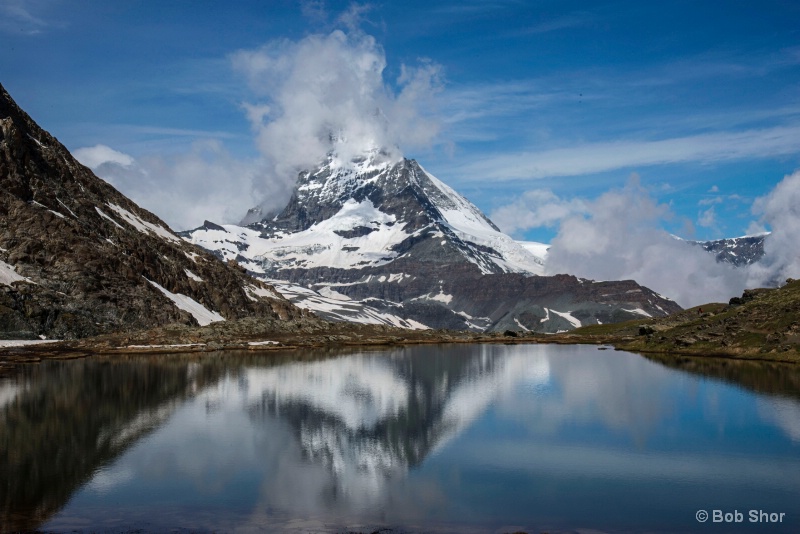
[[307, 97], [330, 92]]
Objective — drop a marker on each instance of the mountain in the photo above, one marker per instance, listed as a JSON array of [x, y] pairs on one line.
[[78, 258], [739, 251], [382, 240]]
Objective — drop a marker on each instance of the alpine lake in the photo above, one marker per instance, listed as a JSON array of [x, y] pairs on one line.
[[439, 438]]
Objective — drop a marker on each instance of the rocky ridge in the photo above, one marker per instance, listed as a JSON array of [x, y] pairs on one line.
[[78, 258], [738, 251]]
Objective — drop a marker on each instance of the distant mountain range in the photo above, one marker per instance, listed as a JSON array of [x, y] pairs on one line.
[[379, 240], [78, 258], [738, 251]]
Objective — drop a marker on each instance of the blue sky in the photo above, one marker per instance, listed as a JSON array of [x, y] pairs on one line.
[[534, 108]]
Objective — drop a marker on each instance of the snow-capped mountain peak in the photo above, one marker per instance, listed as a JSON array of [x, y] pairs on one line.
[[379, 239], [369, 211]]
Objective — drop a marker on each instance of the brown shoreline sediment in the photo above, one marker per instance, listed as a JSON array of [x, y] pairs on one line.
[[70, 350], [251, 336]]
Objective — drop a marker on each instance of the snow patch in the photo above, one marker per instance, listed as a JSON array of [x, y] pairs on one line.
[[539, 250], [203, 315], [321, 245], [66, 208], [441, 297], [8, 275], [638, 311], [546, 317], [142, 225], [335, 295], [566, 315], [24, 342], [179, 346], [341, 310], [253, 292], [193, 276], [105, 216], [192, 255]]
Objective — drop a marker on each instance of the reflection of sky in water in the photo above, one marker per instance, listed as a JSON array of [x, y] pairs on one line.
[[541, 437]]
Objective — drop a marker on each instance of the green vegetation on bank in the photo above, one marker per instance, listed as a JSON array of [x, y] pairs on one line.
[[761, 324]]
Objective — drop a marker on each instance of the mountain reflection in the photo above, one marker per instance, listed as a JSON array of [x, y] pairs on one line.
[[370, 417], [62, 421]]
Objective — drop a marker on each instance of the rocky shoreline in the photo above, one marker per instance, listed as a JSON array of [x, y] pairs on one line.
[[257, 336]]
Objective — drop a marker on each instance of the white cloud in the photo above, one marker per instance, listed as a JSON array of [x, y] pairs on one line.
[[536, 208], [621, 237], [17, 16], [353, 17], [327, 92], [707, 218], [205, 183], [314, 10], [780, 210], [95, 156], [710, 201], [601, 157], [714, 189], [320, 93]]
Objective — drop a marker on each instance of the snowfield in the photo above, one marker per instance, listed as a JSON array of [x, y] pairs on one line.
[[360, 234]]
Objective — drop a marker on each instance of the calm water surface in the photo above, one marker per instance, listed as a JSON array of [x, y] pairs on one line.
[[487, 438]]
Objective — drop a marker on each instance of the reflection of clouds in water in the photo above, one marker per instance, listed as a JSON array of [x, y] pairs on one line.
[[611, 463], [588, 388], [8, 392], [107, 478], [206, 448], [359, 390], [782, 412], [492, 378]]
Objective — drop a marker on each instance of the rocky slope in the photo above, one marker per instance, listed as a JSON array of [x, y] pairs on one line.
[[394, 244], [78, 258], [761, 324]]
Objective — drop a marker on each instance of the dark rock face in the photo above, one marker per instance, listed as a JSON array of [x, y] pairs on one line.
[[80, 258], [739, 251], [460, 297]]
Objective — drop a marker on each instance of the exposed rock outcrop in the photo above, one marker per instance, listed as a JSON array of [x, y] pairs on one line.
[[78, 258]]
